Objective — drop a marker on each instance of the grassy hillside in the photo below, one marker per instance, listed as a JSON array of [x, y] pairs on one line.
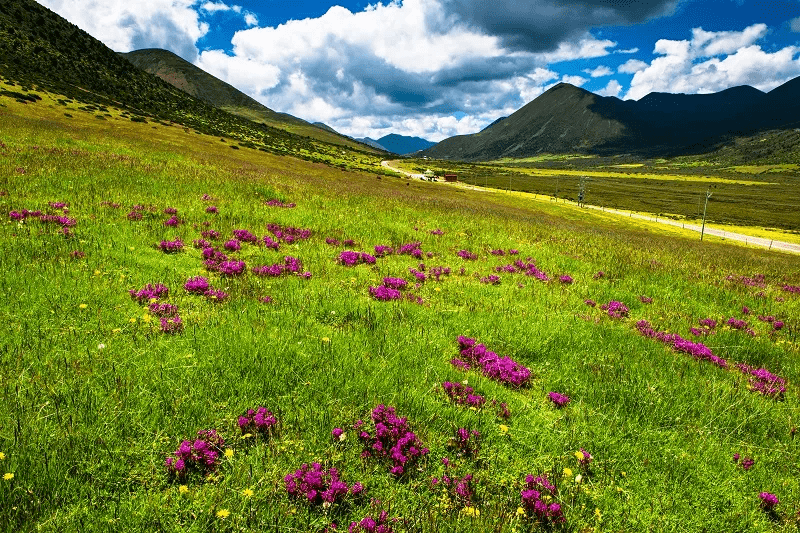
[[98, 391], [200, 84], [39, 49]]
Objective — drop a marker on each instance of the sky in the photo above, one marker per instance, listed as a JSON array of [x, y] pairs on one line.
[[438, 68]]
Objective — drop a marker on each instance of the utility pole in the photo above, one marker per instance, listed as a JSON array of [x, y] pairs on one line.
[[703, 229]]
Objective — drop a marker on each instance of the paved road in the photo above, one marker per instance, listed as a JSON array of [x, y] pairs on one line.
[[747, 239]]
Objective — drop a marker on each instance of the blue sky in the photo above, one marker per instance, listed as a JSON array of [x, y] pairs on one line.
[[437, 68]]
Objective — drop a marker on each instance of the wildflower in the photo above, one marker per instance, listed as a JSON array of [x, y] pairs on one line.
[[393, 439], [183, 489], [2, 456], [247, 493], [568, 473], [600, 275], [566, 279], [83, 306], [319, 486], [615, 309], [583, 457], [560, 400], [645, 299], [170, 247], [223, 514], [212, 209], [590, 303], [150, 292], [521, 511], [503, 369], [229, 453], [768, 500], [326, 340], [503, 428], [258, 420], [8, 476], [471, 511]]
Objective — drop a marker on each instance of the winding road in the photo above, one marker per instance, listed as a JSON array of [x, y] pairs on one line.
[[747, 239]]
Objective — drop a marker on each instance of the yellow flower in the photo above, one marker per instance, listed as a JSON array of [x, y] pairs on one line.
[[567, 472], [503, 428], [223, 513], [83, 306], [183, 489], [579, 456], [326, 340], [623, 474], [597, 513], [132, 321], [2, 456], [247, 435], [437, 289], [521, 511], [116, 330], [247, 492], [146, 318], [8, 476], [229, 453], [471, 511]]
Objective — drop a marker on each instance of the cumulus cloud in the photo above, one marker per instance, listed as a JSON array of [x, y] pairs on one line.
[[632, 66], [124, 26], [250, 19], [711, 62], [626, 51], [213, 7], [599, 71], [613, 88], [794, 24], [540, 25]]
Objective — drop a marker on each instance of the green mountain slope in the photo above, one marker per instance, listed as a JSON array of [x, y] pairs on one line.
[[39, 48], [191, 79]]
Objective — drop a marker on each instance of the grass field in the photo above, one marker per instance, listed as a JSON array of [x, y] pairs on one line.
[[99, 391], [742, 195]]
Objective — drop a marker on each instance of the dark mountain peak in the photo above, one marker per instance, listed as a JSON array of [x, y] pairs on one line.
[[403, 144]]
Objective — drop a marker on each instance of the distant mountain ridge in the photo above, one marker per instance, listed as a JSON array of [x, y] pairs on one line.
[[398, 144], [191, 79], [568, 119]]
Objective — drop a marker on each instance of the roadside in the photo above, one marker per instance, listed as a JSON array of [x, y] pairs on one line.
[[718, 231]]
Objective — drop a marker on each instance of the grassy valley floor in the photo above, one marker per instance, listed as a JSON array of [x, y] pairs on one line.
[[688, 357]]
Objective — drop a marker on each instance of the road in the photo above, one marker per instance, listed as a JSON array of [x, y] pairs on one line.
[[747, 239]]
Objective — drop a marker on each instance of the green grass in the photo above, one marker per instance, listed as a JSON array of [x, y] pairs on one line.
[[94, 396]]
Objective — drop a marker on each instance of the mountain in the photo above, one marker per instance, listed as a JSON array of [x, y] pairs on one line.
[[567, 119], [372, 142], [191, 79], [402, 144], [40, 50]]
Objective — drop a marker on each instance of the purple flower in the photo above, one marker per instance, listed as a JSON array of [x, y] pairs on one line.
[[258, 420], [210, 234], [463, 395], [197, 285], [768, 500], [171, 247], [566, 279], [150, 292], [212, 209], [600, 275], [232, 268], [590, 303], [384, 293], [172, 221], [560, 400], [170, 211], [466, 255], [502, 369], [383, 251], [172, 324], [645, 299]]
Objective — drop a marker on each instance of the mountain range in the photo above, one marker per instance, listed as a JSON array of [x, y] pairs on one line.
[[398, 144], [568, 119]]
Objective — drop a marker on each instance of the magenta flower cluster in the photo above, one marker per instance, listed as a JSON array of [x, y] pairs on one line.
[[384, 294], [768, 500], [210, 234], [258, 420], [277, 203], [461, 394], [466, 442], [383, 251], [393, 439], [586, 459], [491, 279], [171, 247], [350, 258], [244, 235], [746, 463], [201, 455], [318, 485], [163, 309], [695, 349], [558, 399], [381, 524], [758, 280], [793, 289], [291, 265], [466, 255], [566, 279], [460, 489], [615, 309], [520, 267], [150, 292], [763, 381], [212, 209], [535, 494], [502, 369], [171, 324], [288, 234]]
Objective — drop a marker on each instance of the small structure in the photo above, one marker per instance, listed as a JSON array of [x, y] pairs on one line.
[[450, 177]]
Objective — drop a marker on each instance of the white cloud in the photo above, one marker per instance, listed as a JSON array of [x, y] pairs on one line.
[[124, 26], [599, 71], [586, 48], [577, 81], [244, 74], [628, 51], [213, 7], [250, 19], [632, 66], [713, 61], [794, 24], [613, 88]]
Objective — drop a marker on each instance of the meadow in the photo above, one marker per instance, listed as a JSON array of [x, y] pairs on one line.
[[200, 338]]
